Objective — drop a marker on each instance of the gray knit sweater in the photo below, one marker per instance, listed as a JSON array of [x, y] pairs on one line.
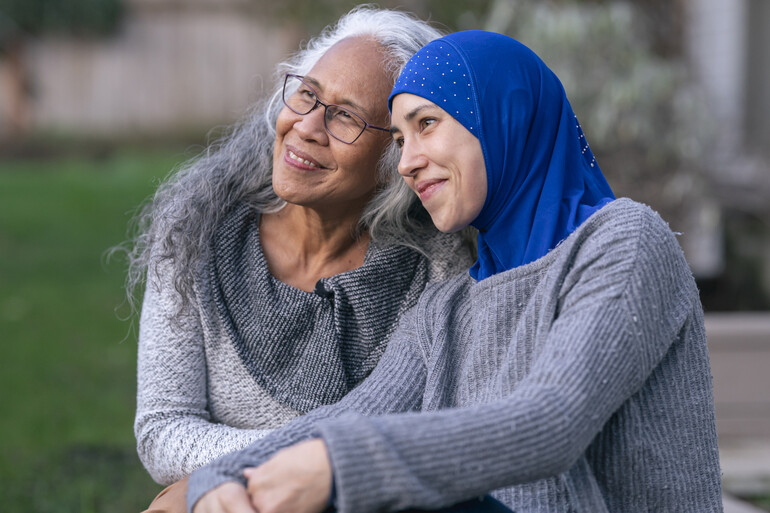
[[256, 353], [579, 382]]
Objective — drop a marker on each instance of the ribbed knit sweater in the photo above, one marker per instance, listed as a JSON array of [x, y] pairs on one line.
[[256, 352], [578, 382]]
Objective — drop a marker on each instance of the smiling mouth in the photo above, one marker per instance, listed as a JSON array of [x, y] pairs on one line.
[[426, 188], [293, 156]]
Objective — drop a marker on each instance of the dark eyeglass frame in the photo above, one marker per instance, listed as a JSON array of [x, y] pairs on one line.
[[326, 109]]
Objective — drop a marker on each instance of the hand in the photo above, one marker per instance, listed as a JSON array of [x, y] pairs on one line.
[[297, 479], [229, 497]]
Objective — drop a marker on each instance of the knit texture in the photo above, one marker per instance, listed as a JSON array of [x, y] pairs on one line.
[[257, 352], [578, 382]]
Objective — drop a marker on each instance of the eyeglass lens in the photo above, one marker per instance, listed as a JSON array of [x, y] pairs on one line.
[[340, 122]]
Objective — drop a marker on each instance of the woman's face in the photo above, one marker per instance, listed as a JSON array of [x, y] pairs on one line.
[[440, 160], [312, 168]]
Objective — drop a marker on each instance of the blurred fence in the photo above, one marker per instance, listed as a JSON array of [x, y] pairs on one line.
[[170, 67]]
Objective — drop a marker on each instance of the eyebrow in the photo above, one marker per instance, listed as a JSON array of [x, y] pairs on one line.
[[345, 101], [413, 113]]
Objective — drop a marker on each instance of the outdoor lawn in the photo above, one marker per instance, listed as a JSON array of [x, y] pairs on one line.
[[68, 368]]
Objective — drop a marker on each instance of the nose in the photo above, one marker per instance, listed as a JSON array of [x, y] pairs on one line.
[[412, 159], [310, 126]]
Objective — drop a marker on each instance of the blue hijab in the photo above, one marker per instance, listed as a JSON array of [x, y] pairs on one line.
[[542, 178]]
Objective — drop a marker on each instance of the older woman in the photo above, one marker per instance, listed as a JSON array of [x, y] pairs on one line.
[[567, 371], [279, 262]]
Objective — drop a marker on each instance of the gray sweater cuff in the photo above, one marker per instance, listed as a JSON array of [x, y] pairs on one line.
[[203, 481], [393, 463], [354, 466]]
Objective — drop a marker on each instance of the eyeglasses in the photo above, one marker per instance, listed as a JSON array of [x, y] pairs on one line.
[[342, 124]]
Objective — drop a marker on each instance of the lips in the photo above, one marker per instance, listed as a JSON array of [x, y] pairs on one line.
[[426, 188], [299, 159]]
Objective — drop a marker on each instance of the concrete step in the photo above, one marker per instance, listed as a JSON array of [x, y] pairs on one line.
[[739, 348], [733, 505]]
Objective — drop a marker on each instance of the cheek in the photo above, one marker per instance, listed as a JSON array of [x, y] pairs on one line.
[[475, 188], [283, 123], [364, 160], [479, 198], [479, 191], [277, 155]]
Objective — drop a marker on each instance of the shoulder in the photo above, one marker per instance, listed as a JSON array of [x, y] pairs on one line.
[[624, 231], [627, 250], [448, 254], [236, 219], [623, 221], [622, 245]]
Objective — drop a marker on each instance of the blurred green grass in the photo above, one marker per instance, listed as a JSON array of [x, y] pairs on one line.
[[69, 363]]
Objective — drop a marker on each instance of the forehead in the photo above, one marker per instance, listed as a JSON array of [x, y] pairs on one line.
[[353, 69], [406, 106]]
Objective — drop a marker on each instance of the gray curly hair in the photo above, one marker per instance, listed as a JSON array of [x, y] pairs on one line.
[[176, 226]]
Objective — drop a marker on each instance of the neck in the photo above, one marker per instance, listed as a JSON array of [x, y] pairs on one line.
[[302, 246]]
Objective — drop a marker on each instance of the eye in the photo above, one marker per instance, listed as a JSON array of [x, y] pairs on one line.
[[344, 114], [339, 115], [426, 122], [399, 142], [308, 93]]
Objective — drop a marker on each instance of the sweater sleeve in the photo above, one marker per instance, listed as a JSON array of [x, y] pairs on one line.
[[173, 429], [395, 385], [631, 296]]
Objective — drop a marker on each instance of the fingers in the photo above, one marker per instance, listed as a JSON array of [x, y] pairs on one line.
[[229, 497], [252, 476], [295, 480]]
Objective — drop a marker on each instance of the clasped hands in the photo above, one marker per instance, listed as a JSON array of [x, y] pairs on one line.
[[295, 480]]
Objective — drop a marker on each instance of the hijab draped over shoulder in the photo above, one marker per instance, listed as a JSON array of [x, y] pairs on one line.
[[542, 178]]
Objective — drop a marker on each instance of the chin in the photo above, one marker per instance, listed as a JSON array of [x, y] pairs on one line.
[[445, 225], [449, 223], [289, 194]]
